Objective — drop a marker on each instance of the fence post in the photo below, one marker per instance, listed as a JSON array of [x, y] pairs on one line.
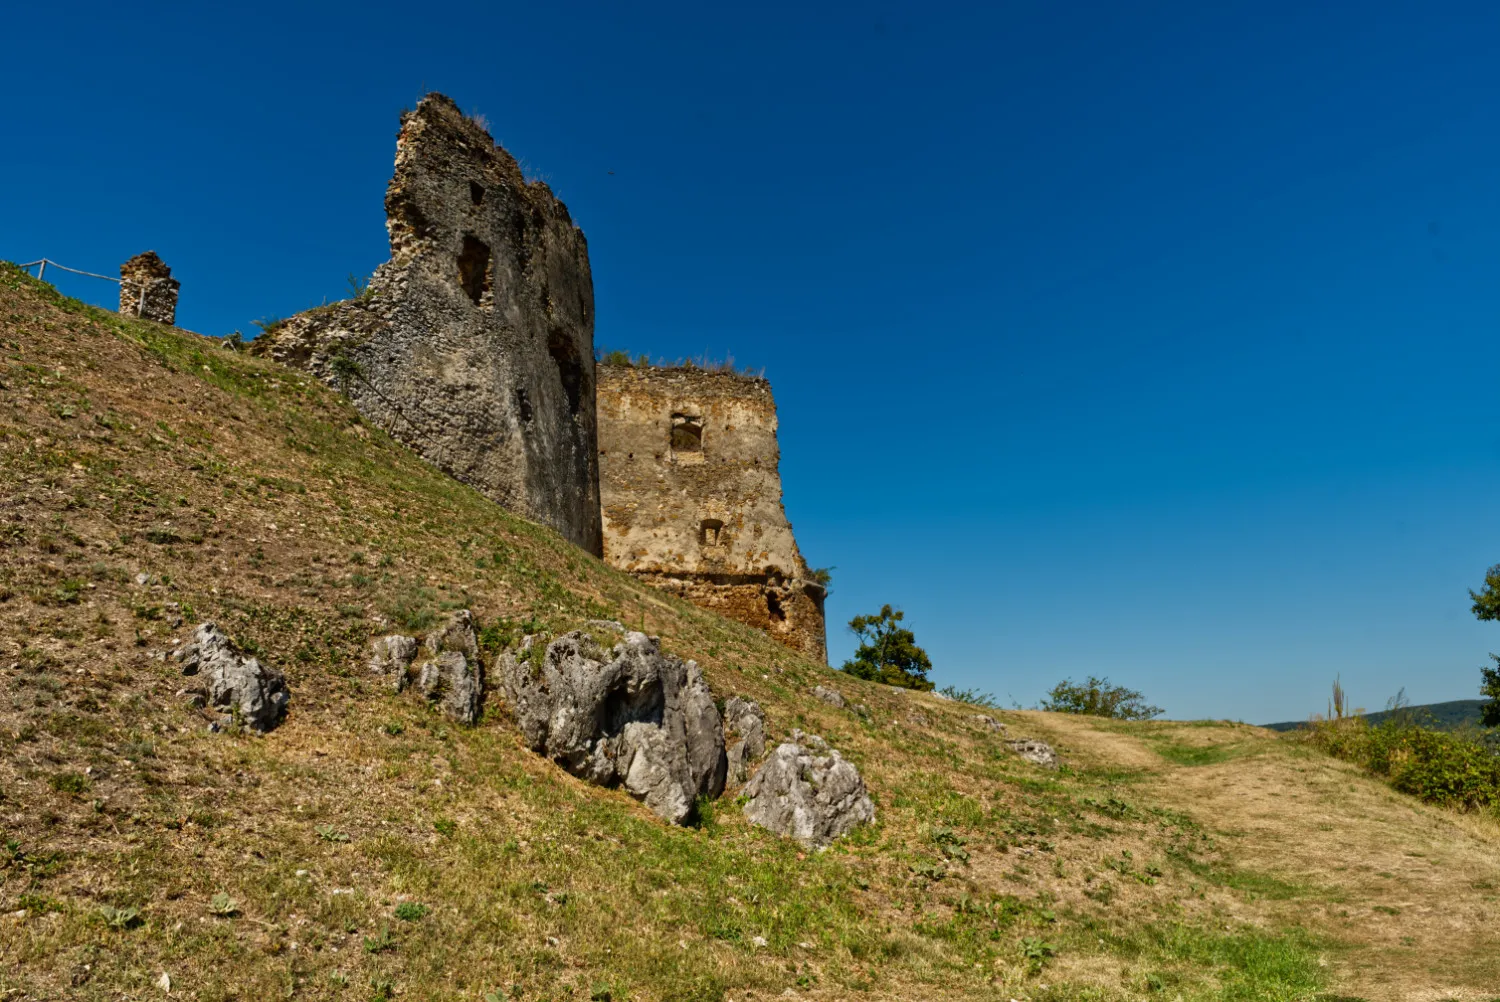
[[41, 269]]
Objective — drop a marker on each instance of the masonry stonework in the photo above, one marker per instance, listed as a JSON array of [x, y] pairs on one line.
[[147, 289], [688, 465], [474, 343]]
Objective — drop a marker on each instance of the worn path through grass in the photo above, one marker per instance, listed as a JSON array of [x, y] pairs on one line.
[[1410, 891]]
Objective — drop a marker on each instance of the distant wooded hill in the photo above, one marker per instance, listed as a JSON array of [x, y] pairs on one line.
[[1441, 716]]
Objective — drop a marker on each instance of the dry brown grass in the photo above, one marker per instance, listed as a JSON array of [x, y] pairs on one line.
[[252, 497]]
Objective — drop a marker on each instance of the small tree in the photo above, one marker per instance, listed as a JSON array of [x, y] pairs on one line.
[[1489, 688], [1097, 698], [1487, 606], [888, 652]]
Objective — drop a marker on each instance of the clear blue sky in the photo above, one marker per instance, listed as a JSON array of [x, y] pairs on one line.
[[1155, 340]]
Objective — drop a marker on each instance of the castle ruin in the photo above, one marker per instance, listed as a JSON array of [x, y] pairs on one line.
[[148, 290], [688, 467], [474, 343]]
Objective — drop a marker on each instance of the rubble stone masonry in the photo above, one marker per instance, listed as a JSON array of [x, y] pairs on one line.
[[692, 497], [147, 289], [474, 343]]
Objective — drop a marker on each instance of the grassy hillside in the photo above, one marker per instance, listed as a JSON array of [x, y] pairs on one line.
[[367, 849], [1449, 716]]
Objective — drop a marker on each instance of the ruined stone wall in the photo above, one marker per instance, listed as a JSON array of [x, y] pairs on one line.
[[692, 497], [147, 289], [474, 343]]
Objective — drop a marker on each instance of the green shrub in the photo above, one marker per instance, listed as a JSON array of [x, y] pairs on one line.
[[1096, 697], [1454, 769]]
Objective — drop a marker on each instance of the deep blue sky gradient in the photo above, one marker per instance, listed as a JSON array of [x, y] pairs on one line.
[[1152, 340]]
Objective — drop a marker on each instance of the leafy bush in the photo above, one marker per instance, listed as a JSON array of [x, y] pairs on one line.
[[1095, 697], [1454, 769]]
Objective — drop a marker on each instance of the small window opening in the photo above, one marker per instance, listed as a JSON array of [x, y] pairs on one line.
[[774, 609], [413, 221], [474, 268], [711, 532], [523, 406], [569, 367], [687, 433], [476, 192]]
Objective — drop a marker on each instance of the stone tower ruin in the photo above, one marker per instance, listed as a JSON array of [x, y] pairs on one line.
[[474, 343], [147, 289], [692, 497]]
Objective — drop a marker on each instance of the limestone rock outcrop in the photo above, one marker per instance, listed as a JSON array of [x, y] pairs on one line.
[[1037, 752], [746, 721], [629, 716], [453, 676], [808, 791], [474, 343], [391, 658], [454, 684], [256, 694]]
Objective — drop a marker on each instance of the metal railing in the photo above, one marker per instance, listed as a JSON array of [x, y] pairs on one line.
[[41, 271]]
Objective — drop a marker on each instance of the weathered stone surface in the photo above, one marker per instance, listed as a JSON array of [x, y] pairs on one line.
[[256, 694], [474, 343], [391, 658], [830, 696], [454, 684], [746, 722], [989, 723], [453, 676], [692, 497], [147, 289], [457, 634], [629, 716], [1039, 752], [814, 798]]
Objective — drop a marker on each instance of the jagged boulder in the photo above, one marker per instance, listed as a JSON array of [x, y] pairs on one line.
[[256, 694], [453, 676], [830, 696], [456, 635], [391, 658], [746, 721], [629, 716], [1038, 752], [454, 684], [811, 796]]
